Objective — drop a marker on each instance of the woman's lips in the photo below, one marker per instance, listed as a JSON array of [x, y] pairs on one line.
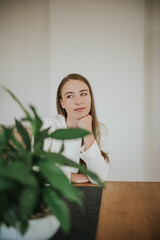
[[79, 109]]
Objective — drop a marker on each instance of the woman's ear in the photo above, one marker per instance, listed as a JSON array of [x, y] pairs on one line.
[[61, 102]]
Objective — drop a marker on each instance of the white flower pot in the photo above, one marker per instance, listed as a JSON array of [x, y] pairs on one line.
[[39, 229]]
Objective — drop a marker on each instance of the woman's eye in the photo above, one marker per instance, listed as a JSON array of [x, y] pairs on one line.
[[69, 96], [83, 94]]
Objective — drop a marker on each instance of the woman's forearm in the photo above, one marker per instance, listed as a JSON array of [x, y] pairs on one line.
[[79, 178], [88, 141]]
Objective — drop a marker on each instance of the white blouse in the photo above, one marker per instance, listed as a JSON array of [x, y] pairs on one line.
[[74, 151]]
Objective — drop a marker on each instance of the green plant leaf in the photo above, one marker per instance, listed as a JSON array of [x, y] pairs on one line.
[[24, 134], [6, 184], [69, 133], [5, 135], [19, 103], [28, 200], [35, 124], [19, 172], [62, 148], [15, 155], [10, 155], [37, 119], [17, 144], [58, 180], [39, 139], [11, 215], [23, 226], [58, 207]]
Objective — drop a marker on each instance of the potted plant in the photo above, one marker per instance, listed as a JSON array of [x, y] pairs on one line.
[[32, 185]]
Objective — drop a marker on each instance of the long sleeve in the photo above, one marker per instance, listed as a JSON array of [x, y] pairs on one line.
[[73, 150], [93, 158], [71, 147]]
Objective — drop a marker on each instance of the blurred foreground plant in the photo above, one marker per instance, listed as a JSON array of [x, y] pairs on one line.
[[31, 180]]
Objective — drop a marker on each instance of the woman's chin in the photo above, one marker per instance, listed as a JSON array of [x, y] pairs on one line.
[[80, 115]]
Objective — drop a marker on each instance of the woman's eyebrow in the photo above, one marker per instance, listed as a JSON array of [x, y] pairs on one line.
[[84, 90], [68, 93]]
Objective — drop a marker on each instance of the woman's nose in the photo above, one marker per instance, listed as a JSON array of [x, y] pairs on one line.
[[78, 100]]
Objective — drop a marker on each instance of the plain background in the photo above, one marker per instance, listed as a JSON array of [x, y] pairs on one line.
[[115, 44]]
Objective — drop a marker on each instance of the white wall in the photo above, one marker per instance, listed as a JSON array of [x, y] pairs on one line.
[[110, 43], [24, 55], [104, 41]]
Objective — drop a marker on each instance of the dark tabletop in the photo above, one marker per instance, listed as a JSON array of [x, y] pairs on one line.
[[83, 221]]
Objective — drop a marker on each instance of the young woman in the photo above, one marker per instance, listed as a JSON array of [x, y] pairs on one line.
[[76, 109]]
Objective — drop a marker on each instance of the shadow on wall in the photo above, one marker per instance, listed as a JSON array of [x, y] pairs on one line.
[[152, 90]]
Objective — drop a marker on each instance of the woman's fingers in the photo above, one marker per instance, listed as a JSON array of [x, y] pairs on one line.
[[85, 122]]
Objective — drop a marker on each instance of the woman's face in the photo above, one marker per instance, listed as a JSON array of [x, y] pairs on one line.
[[76, 99]]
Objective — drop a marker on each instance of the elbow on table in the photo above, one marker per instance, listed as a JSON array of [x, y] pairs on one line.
[[102, 176]]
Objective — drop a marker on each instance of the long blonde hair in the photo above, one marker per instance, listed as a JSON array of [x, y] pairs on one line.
[[62, 111]]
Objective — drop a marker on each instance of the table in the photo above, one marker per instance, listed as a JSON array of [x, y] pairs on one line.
[[83, 220], [129, 210]]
